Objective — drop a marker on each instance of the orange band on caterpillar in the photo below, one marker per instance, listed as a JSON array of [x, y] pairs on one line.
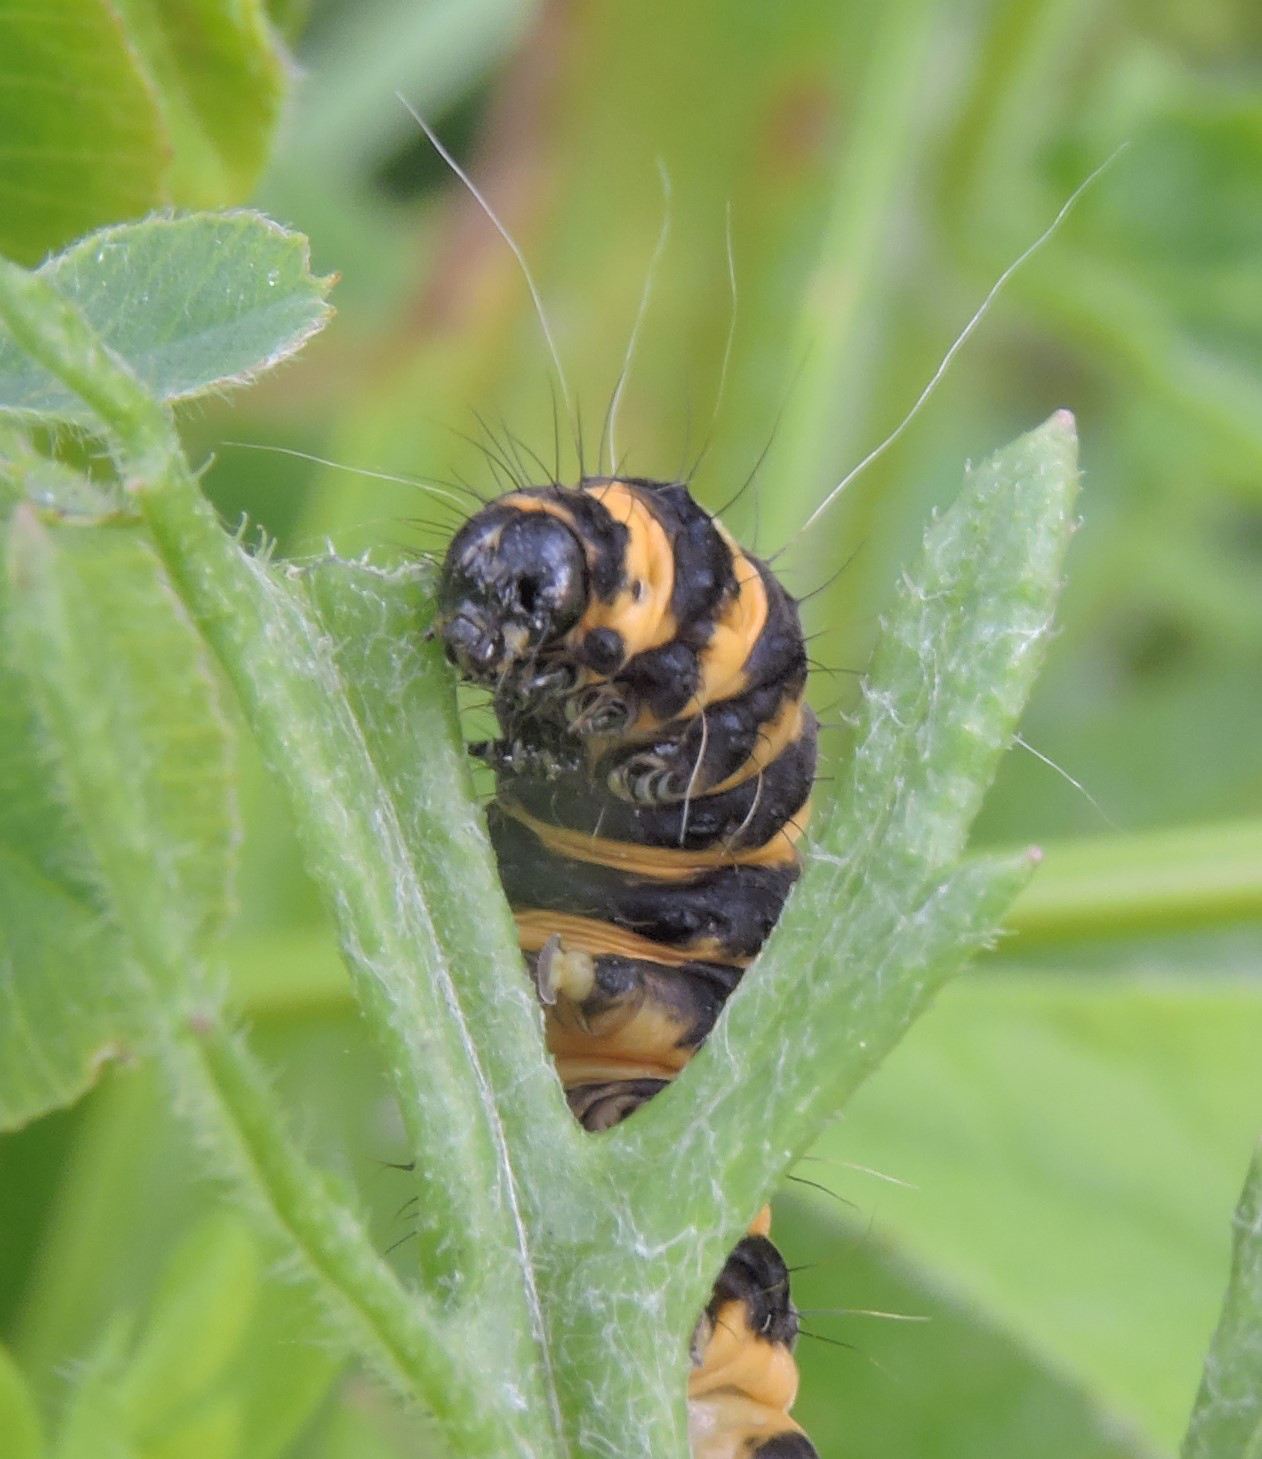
[[653, 778]]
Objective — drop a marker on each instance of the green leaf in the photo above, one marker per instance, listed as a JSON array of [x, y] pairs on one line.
[[1070, 1149], [63, 967], [1227, 1418], [132, 724], [171, 105], [101, 1248], [191, 304], [291, 691], [172, 1388], [208, 1430], [62, 1016], [19, 1416], [883, 914], [219, 76], [67, 168]]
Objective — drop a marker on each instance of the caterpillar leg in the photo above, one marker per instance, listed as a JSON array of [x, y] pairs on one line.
[[620, 1028]]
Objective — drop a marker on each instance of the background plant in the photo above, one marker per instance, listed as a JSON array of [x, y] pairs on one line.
[[1076, 1119]]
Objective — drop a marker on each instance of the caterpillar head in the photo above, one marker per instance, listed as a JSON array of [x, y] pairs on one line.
[[513, 582]]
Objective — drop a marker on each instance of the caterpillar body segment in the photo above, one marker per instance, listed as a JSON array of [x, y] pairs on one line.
[[653, 776], [745, 1380]]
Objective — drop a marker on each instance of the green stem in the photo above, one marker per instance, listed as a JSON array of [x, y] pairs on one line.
[[1016, 88], [949, 680], [1168, 880], [399, 689], [281, 666], [295, 703], [227, 1097], [799, 1037]]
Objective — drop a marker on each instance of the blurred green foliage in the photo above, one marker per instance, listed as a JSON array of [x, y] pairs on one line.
[[1076, 1122], [109, 110]]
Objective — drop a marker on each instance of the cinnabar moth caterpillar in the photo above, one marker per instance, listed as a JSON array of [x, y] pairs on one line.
[[653, 775]]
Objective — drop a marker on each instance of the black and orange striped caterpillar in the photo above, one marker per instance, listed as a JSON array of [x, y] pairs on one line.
[[653, 775]]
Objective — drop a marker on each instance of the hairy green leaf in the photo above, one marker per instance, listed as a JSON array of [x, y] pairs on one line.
[[882, 916], [190, 304], [131, 727], [63, 967]]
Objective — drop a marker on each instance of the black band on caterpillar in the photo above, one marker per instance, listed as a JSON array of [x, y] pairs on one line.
[[653, 776]]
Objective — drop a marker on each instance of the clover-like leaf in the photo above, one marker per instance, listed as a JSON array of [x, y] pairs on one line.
[[114, 759], [191, 304]]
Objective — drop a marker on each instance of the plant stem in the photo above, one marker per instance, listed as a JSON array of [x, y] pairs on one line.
[[950, 676], [1158, 881], [281, 666], [227, 1098]]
